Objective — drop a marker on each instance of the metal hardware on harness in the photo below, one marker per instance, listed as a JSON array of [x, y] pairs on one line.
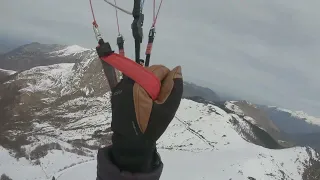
[[96, 31]]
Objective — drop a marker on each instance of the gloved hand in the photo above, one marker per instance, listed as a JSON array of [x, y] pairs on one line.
[[138, 121]]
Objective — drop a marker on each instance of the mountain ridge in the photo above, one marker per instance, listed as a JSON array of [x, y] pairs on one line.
[[292, 128], [35, 54]]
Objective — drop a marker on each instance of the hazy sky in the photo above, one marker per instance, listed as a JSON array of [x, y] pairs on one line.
[[266, 51]]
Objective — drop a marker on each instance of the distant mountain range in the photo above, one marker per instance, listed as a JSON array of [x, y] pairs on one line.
[[36, 54], [296, 126], [8, 44], [292, 128], [191, 89]]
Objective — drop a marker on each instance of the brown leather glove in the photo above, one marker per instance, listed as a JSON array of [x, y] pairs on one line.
[[138, 121]]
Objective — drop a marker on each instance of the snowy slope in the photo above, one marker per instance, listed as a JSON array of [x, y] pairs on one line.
[[24, 169], [53, 76], [218, 141], [200, 143], [208, 166]]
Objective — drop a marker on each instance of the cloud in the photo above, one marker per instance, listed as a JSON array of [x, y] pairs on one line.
[[262, 50]]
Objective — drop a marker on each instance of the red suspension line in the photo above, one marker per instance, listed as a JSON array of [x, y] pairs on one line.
[[154, 9], [94, 18]]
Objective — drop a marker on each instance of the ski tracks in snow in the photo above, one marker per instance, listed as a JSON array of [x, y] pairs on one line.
[[202, 138], [63, 171]]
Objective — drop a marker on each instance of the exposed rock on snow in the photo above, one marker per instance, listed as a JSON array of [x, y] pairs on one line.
[[252, 114]]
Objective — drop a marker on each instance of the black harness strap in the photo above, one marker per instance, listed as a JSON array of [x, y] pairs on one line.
[[136, 27], [120, 43], [152, 33]]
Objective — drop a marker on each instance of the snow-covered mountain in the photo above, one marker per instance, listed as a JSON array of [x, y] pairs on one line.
[[298, 126], [54, 118], [36, 54], [288, 127], [6, 72], [303, 115], [282, 116]]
